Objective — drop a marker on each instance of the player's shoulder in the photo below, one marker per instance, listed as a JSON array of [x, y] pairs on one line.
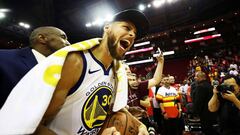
[[74, 56]]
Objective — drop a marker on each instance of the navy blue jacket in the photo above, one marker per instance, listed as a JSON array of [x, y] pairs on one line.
[[14, 64]]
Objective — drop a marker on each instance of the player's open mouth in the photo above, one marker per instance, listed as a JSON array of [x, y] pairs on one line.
[[124, 44]]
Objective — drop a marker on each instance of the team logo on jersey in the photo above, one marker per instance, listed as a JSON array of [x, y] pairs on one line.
[[96, 106]]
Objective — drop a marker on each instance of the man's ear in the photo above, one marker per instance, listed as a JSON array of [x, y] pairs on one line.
[[106, 28], [42, 39]]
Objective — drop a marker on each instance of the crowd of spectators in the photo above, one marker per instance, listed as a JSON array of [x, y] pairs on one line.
[[217, 65], [214, 66]]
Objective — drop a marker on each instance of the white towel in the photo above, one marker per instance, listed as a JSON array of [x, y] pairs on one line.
[[122, 88], [29, 99]]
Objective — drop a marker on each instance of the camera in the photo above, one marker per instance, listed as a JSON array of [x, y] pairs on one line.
[[215, 83], [224, 88]]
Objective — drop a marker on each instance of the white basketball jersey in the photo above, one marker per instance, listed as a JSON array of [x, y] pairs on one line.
[[86, 107]]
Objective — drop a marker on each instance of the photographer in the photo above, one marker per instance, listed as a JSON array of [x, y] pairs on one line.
[[225, 101]]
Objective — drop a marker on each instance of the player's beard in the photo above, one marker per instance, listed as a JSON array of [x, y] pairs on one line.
[[112, 47]]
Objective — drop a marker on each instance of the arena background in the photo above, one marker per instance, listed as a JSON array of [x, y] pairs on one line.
[[173, 22]]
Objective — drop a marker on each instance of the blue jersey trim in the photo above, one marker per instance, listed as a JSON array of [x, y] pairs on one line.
[[106, 71], [77, 85]]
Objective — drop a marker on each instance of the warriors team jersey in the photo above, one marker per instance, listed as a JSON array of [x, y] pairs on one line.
[[86, 107]]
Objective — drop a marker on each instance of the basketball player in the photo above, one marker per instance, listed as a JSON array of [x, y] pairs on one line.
[[82, 96]]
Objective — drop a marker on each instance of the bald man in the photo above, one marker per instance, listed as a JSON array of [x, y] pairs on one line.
[[201, 96], [15, 63]]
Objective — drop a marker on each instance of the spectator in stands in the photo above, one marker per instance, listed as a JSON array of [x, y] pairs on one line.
[[156, 107], [170, 107], [184, 87], [227, 104], [233, 69], [138, 90], [172, 82], [177, 87], [201, 96], [16, 63]]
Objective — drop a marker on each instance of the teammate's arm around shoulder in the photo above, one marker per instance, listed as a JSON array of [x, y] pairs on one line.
[[71, 72]]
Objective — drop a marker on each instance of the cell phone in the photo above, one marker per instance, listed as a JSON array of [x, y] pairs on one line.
[[215, 83], [159, 51], [157, 54]]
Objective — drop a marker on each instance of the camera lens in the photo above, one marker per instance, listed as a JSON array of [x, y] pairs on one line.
[[224, 88]]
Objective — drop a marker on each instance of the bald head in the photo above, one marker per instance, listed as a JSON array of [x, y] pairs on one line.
[[200, 75], [48, 39], [41, 31]]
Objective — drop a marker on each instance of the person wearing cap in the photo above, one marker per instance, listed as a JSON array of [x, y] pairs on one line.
[[83, 94]]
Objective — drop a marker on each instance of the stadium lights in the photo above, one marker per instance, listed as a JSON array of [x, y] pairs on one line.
[[25, 25], [165, 53], [202, 38], [158, 3], [168, 53], [99, 21], [142, 44], [149, 60], [204, 30], [2, 15], [170, 1], [109, 18], [88, 25], [140, 50], [4, 10], [140, 62], [141, 7]]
